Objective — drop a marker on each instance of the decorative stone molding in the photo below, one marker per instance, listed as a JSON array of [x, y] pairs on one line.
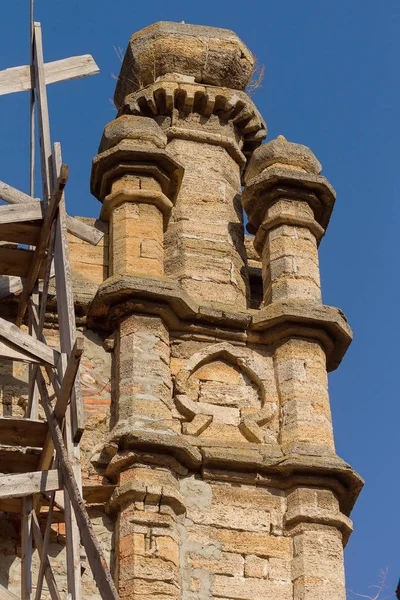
[[176, 99], [254, 423], [134, 491]]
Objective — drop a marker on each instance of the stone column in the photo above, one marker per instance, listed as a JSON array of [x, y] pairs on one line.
[[289, 205], [137, 182], [190, 79], [318, 529]]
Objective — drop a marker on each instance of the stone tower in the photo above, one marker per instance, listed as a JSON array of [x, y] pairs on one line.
[[205, 369], [222, 448]]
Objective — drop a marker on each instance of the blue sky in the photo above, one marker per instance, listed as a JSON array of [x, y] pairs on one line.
[[331, 82]]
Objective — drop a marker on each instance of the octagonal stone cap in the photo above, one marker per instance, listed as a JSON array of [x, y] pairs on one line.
[[278, 181], [145, 131], [128, 157], [281, 152], [204, 54]]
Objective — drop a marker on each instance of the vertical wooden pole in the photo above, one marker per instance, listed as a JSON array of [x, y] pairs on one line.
[[32, 104], [33, 399], [26, 545], [51, 165], [42, 112]]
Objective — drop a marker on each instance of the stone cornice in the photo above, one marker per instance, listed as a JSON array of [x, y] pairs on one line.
[[238, 462], [119, 296], [164, 97]]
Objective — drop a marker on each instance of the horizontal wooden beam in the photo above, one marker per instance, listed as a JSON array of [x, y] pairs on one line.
[[18, 79], [10, 352], [92, 494], [11, 334], [81, 230], [18, 460], [22, 432], [16, 262], [20, 233], [13, 196], [25, 484], [18, 213]]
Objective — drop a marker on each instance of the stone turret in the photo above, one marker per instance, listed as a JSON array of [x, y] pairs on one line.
[[222, 450], [190, 80]]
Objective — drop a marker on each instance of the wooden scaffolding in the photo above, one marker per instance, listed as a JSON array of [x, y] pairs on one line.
[[36, 233]]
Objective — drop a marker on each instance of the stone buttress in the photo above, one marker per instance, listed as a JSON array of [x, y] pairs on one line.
[[222, 451]]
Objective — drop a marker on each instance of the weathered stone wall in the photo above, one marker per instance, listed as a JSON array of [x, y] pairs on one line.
[[233, 543]]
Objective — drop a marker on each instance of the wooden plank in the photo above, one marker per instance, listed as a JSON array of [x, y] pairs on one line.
[[65, 301], [18, 79], [16, 261], [37, 264], [95, 554], [14, 196], [83, 231], [9, 285], [18, 460], [10, 352], [32, 103], [45, 567], [92, 494], [20, 233], [33, 396], [17, 213], [26, 547], [42, 112], [20, 485], [22, 432], [63, 394], [24, 342], [6, 594]]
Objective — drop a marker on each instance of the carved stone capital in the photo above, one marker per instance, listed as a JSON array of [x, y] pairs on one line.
[[128, 158], [277, 182]]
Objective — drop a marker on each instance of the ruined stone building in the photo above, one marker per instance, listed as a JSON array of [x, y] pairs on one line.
[[208, 434]]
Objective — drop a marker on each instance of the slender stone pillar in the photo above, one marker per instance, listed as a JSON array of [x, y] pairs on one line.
[[282, 212], [194, 89], [289, 205], [318, 529], [136, 181]]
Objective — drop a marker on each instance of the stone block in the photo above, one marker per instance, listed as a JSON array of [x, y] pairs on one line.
[[226, 563], [250, 588], [167, 548], [256, 567]]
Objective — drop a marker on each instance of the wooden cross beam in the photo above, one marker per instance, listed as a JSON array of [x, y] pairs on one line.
[[20, 79]]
